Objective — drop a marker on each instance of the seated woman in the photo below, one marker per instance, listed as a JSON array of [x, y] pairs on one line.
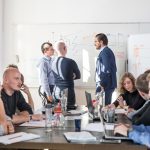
[[128, 94]]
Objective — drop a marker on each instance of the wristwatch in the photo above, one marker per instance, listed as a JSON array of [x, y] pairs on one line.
[[30, 117]]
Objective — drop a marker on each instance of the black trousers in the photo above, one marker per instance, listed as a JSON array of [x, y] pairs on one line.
[[108, 96]]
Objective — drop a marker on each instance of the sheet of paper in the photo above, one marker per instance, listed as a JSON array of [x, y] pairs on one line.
[[78, 111], [79, 136], [17, 137], [34, 124], [120, 111], [96, 127], [109, 126], [75, 117]]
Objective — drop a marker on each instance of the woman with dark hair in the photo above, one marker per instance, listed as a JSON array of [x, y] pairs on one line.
[[128, 93]]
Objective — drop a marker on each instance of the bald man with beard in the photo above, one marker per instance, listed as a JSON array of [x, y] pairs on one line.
[[13, 99]]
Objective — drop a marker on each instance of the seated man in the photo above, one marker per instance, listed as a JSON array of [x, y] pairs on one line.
[[24, 87], [141, 116], [13, 99], [65, 71]]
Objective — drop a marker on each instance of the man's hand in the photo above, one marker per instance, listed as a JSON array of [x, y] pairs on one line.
[[122, 129], [10, 127], [74, 75], [37, 117], [50, 98], [130, 110], [25, 89]]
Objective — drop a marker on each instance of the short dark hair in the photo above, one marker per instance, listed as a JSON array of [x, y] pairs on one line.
[[42, 46], [147, 71], [142, 83], [12, 66], [102, 37]]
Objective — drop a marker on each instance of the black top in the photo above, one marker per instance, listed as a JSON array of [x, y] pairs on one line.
[[133, 100], [64, 70], [16, 101]]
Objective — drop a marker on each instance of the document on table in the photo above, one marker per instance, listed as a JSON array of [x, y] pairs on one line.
[[79, 136], [76, 112], [17, 137], [94, 127], [120, 111], [98, 127], [34, 124], [109, 126]]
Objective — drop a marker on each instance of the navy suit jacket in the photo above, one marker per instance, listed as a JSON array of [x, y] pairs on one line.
[[107, 75]]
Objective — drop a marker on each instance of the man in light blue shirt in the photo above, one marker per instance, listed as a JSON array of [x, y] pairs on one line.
[[47, 81]]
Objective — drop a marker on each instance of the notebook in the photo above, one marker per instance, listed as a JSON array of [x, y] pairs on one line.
[[79, 136]]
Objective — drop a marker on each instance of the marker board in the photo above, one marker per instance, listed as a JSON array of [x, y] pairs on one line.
[[80, 44]]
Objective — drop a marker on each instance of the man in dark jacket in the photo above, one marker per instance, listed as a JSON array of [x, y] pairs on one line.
[[105, 68]]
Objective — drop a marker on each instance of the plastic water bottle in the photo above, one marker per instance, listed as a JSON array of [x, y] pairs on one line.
[[48, 115]]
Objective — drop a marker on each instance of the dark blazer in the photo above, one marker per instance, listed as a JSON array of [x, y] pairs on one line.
[[108, 76]]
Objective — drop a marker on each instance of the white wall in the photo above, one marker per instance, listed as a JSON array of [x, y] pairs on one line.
[[78, 11]]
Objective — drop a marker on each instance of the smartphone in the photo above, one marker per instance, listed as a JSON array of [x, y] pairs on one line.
[[110, 141]]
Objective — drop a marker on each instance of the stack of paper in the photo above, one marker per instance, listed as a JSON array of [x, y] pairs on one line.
[[34, 124], [79, 136], [17, 137]]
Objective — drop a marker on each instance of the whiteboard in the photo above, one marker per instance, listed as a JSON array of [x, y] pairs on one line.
[[80, 43], [138, 54]]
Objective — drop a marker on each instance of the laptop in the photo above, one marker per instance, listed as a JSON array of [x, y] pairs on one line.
[[91, 107], [109, 134]]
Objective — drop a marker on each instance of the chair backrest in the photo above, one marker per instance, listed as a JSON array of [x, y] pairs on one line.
[[43, 96]]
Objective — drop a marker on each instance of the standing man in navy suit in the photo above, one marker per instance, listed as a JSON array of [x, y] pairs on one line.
[[105, 68]]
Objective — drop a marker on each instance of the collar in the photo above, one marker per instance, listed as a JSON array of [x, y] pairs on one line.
[[102, 48], [46, 57]]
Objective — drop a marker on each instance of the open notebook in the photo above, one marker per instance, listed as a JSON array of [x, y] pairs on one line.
[[17, 137], [79, 136]]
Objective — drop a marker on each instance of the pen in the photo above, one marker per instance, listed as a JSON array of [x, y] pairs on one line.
[[14, 137], [34, 127]]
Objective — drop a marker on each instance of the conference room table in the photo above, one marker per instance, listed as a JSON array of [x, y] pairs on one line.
[[55, 140]]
